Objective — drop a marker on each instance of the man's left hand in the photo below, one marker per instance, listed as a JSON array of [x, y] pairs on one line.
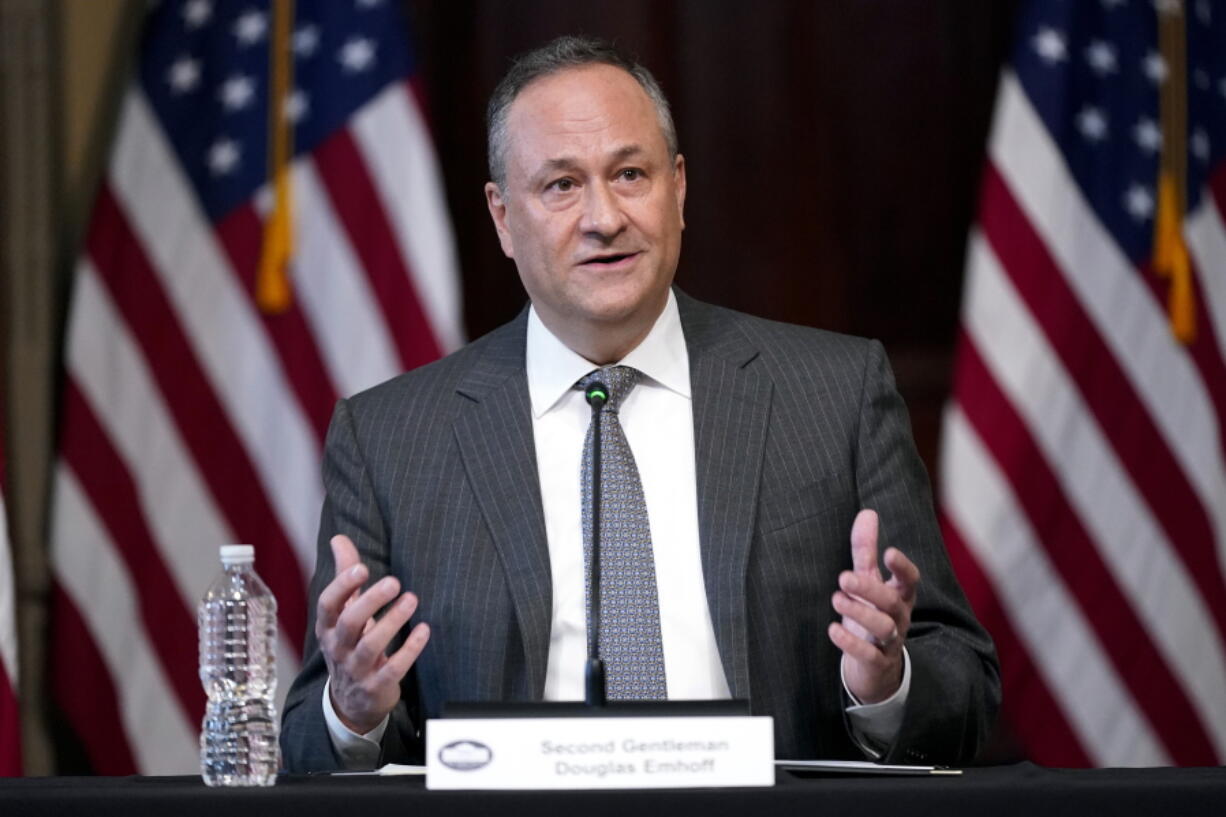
[[876, 614]]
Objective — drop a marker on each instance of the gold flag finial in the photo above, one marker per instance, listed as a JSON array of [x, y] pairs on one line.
[[1170, 256], [272, 287]]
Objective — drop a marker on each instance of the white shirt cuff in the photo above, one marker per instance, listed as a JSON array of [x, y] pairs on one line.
[[357, 752], [874, 727]]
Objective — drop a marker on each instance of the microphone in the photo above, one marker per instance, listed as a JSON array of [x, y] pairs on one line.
[[597, 395]]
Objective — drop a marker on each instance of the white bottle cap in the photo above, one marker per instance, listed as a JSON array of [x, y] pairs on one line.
[[237, 555]]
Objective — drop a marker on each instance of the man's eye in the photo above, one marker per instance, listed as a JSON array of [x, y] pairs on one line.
[[631, 174], [563, 185]]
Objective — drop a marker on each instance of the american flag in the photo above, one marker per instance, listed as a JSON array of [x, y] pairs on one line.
[[198, 388], [10, 723], [1083, 485]]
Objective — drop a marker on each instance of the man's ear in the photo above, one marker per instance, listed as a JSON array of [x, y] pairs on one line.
[[679, 186], [498, 212]]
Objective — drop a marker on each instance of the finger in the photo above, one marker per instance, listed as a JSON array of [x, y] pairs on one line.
[[378, 635], [344, 552], [882, 628], [864, 542], [849, 623], [855, 647], [344, 556], [334, 597], [401, 661], [903, 573], [872, 590], [352, 620]]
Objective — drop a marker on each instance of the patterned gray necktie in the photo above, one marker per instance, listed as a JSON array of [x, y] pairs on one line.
[[629, 608]]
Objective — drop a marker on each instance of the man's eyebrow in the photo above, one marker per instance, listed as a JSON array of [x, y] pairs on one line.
[[560, 163], [628, 151], [570, 162]]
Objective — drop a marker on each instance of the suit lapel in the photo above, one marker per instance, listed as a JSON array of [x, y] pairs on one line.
[[496, 443], [731, 409]]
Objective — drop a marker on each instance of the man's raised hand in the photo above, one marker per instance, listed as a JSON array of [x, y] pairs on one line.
[[365, 680], [876, 614]]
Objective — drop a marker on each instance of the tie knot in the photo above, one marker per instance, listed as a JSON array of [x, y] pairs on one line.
[[619, 380]]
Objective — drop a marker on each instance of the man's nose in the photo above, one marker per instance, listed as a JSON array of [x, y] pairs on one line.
[[602, 212]]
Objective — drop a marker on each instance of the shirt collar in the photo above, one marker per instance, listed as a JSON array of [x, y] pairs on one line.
[[553, 368]]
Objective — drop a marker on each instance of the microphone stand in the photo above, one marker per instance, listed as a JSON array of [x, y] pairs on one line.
[[594, 692]]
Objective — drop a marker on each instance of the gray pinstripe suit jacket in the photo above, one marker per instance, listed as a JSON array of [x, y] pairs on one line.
[[433, 475]]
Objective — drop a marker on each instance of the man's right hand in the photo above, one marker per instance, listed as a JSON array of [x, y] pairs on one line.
[[365, 680]]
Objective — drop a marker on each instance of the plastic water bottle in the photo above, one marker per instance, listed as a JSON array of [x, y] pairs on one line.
[[238, 632]]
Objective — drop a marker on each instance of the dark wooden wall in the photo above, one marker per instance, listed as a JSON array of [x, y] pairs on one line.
[[833, 150]]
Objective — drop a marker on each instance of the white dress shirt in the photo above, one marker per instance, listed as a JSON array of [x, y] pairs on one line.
[[658, 420]]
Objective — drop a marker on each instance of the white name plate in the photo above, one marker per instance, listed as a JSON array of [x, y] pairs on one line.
[[600, 753]]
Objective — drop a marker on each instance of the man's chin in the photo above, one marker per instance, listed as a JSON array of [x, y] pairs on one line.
[[614, 312]]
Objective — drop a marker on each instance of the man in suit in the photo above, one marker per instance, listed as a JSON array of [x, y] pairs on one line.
[[757, 451]]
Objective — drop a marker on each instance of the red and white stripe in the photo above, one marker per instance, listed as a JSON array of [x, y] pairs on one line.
[[191, 419], [1084, 469]]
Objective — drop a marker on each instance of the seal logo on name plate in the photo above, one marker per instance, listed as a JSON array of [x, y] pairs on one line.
[[465, 755]]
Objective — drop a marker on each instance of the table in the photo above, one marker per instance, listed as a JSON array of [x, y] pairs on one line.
[[1001, 791]]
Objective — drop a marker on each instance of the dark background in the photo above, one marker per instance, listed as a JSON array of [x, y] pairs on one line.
[[833, 150]]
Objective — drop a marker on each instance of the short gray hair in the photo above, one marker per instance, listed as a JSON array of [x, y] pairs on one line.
[[558, 55]]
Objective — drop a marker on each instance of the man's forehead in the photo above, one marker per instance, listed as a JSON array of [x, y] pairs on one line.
[[579, 98], [590, 78], [616, 153], [585, 104]]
